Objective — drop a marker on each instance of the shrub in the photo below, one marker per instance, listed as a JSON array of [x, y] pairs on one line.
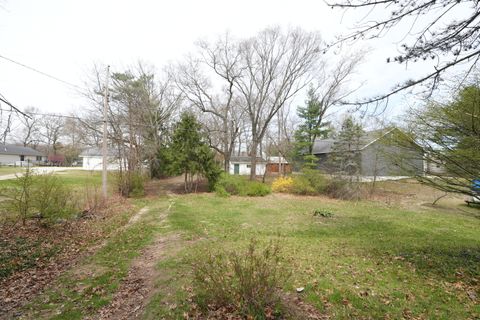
[[18, 198], [137, 188], [301, 185], [245, 283], [343, 189], [316, 179], [221, 192], [45, 197], [310, 182], [255, 189], [52, 199], [282, 184], [131, 183], [238, 185]]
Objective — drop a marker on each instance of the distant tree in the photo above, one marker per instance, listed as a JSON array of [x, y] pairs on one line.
[[189, 153], [436, 32], [215, 65], [450, 135], [274, 67], [311, 127], [29, 134], [345, 155], [52, 132], [141, 107]]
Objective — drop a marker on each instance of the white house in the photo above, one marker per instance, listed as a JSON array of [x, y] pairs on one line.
[[241, 166], [19, 156], [93, 160]]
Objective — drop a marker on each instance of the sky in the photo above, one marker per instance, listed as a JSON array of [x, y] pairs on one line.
[[66, 38]]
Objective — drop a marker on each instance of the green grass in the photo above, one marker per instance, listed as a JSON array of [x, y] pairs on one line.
[[75, 178], [10, 170], [79, 180], [367, 261]]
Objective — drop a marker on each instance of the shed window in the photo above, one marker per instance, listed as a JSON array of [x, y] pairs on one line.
[[249, 166], [22, 158], [39, 158]]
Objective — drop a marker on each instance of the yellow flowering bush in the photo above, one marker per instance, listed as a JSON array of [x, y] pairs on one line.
[[282, 184]]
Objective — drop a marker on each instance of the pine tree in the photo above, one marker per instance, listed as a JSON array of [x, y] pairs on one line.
[[345, 155], [312, 127], [190, 155]]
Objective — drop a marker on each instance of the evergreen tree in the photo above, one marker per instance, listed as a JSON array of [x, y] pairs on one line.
[[311, 128], [190, 155], [345, 155]]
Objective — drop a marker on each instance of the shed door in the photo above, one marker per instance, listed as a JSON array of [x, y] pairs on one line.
[[236, 168]]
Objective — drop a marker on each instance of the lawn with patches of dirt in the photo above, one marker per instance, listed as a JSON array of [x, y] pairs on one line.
[[368, 260]]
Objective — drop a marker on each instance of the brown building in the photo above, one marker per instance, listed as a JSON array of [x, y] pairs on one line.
[[278, 164]]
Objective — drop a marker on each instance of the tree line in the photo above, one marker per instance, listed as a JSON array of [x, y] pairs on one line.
[[239, 89]]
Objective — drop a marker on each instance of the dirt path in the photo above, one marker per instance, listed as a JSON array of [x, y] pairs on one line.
[[139, 286]]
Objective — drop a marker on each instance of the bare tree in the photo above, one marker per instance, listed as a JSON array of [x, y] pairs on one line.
[[434, 33], [280, 137], [221, 106], [52, 131], [274, 66], [7, 113], [332, 85], [29, 134]]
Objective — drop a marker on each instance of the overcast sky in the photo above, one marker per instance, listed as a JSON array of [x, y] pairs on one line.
[[65, 39]]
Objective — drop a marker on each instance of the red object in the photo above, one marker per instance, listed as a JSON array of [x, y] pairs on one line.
[[56, 158]]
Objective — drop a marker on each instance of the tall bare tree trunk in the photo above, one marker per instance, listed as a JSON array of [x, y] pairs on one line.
[[253, 161]]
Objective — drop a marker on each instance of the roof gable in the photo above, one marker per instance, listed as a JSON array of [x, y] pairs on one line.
[[95, 152], [19, 150]]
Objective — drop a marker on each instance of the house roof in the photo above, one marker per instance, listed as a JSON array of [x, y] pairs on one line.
[[95, 152], [323, 146], [369, 137], [245, 159], [19, 150]]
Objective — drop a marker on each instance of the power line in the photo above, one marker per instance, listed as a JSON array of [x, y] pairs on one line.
[[84, 120], [41, 72], [13, 108]]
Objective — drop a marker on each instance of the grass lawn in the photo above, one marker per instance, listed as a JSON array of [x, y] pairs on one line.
[[77, 179], [9, 170], [367, 261], [371, 260]]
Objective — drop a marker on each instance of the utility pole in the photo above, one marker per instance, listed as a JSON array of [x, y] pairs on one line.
[[104, 144], [280, 117]]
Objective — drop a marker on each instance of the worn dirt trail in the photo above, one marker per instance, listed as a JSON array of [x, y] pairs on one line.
[[139, 286]]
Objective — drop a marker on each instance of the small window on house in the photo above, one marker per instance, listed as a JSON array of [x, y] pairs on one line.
[[249, 166], [22, 158], [39, 158]]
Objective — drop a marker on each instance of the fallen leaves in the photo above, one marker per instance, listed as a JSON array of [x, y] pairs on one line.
[[54, 250]]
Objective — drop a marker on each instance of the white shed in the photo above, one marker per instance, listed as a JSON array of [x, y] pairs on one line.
[[241, 166], [93, 160]]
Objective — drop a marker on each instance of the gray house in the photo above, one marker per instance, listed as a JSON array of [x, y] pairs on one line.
[[19, 155], [380, 153]]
